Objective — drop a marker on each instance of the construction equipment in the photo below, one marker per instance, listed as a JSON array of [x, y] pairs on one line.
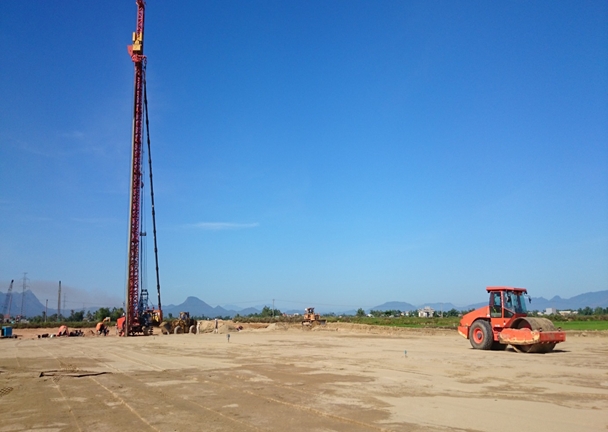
[[139, 317], [156, 316], [8, 300], [311, 318], [7, 332], [505, 322], [120, 326], [183, 324]]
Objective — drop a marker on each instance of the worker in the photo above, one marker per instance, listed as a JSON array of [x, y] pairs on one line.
[[120, 325], [216, 326], [63, 331], [101, 329]]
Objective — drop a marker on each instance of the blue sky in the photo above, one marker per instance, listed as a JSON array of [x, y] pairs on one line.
[[341, 153]]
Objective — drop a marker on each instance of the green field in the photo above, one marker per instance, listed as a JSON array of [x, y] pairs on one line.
[[599, 323], [452, 322], [411, 322], [583, 325]]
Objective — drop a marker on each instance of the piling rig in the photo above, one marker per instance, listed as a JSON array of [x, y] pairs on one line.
[[139, 316]]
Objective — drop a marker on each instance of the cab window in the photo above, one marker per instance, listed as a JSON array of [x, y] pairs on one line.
[[495, 305], [508, 305]]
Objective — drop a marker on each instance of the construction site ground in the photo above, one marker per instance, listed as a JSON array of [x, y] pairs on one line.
[[339, 377]]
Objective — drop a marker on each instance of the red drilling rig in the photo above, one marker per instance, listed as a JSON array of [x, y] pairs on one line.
[[139, 317]]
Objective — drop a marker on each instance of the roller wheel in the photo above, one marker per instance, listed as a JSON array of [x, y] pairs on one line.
[[480, 335], [535, 348], [542, 324]]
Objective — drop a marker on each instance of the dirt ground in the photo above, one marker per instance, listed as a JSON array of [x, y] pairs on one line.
[[337, 378]]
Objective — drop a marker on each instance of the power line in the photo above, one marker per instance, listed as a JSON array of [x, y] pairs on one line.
[[25, 279]]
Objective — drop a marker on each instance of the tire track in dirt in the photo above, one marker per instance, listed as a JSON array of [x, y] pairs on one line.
[[61, 393], [139, 362], [125, 403], [19, 342], [304, 408], [62, 365]]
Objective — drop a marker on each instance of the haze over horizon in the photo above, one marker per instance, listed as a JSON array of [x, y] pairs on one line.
[[343, 153], [78, 299]]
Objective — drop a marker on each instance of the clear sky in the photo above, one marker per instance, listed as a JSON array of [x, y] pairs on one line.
[[337, 153]]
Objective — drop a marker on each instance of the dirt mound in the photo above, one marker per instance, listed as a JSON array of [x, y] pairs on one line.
[[205, 326]]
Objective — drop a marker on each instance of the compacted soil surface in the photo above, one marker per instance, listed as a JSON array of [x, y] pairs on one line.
[[338, 377]]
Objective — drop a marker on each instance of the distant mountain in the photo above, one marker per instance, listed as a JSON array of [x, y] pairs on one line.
[[33, 307], [407, 307], [352, 312], [293, 311], [197, 307], [248, 311], [591, 299], [31, 304], [474, 305], [394, 305], [440, 306]]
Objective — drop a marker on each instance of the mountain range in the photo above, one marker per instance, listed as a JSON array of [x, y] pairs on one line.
[[591, 299], [31, 305], [197, 307]]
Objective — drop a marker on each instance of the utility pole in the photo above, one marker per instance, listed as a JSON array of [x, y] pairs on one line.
[[59, 302], [23, 292], [46, 309], [272, 308]]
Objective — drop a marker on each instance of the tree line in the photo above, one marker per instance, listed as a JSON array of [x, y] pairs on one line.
[[396, 313], [267, 312], [81, 316]]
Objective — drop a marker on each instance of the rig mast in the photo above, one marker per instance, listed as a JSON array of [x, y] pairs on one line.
[[138, 316], [136, 51]]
